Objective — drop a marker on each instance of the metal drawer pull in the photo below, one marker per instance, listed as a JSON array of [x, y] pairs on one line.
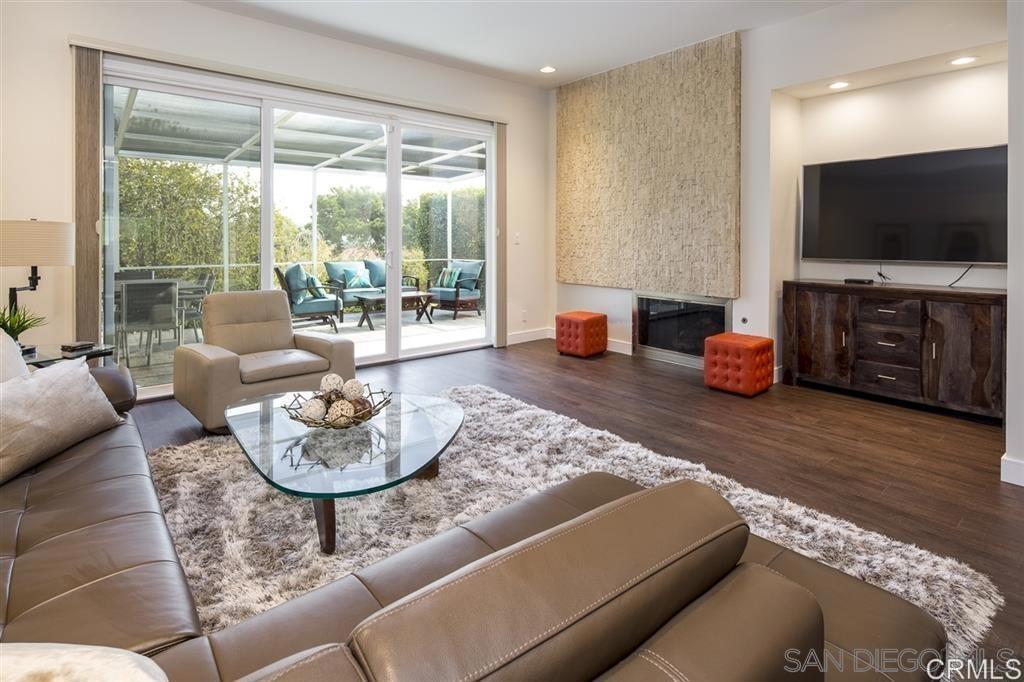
[[933, 350], [887, 311], [844, 339], [888, 378], [886, 343]]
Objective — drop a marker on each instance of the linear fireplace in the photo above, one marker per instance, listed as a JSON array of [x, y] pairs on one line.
[[673, 328]]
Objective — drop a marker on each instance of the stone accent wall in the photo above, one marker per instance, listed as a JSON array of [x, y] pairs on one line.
[[648, 174]]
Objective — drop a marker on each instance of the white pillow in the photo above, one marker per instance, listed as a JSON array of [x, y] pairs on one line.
[[76, 663], [48, 411], [12, 364]]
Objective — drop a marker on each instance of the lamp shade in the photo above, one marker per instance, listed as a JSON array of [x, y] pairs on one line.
[[36, 242]]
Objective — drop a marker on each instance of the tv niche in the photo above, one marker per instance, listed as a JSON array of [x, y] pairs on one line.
[[937, 207]]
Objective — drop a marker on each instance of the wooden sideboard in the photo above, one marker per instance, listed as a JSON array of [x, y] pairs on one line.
[[939, 346]]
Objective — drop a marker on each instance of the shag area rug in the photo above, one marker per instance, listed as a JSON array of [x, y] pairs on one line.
[[246, 547]]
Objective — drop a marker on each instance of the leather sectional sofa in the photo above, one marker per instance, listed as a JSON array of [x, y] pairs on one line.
[[596, 577]]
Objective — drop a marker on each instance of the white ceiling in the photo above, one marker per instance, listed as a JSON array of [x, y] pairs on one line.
[[513, 39]]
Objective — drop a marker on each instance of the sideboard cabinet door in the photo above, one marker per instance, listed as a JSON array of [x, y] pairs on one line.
[[824, 336], [962, 356]]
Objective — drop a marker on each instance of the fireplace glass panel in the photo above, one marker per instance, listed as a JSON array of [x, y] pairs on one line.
[[678, 326]]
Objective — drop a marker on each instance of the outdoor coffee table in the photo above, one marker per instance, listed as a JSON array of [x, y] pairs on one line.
[[411, 300], [404, 441]]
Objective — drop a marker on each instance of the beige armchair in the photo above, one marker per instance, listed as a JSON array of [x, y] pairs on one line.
[[251, 350]]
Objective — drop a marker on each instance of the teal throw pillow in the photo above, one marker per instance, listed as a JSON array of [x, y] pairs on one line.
[[297, 280], [448, 278], [316, 290], [360, 279]]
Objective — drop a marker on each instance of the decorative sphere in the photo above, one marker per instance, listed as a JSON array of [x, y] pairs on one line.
[[314, 409], [352, 389], [340, 413], [331, 382], [362, 408]]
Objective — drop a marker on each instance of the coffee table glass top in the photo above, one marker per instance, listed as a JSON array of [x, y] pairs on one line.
[[400, 442]]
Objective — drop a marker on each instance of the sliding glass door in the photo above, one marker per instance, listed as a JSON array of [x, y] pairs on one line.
[[376, 220], [330, 223], [444, 233], [181, 218]]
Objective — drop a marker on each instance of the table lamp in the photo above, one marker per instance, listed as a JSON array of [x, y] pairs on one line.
[[34, 243]]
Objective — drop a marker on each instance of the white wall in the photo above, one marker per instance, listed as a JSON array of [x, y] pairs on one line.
[[785, 160], [36, 118], [841, 39], [955, 110], [1013, 461]]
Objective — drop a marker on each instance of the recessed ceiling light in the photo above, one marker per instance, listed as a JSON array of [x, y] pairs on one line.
[[962, 61], [839, 85], [547, 69]]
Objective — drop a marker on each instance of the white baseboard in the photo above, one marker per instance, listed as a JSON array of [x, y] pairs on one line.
[[614, 345], [531, 335], [1012, 470]]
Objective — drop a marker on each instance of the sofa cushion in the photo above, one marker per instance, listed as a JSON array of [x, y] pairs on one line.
[[315, 288], [33, 414], [326, 306], [349, 296], [378, 272], [585, 608], [753, 612], [274, 364], [469, 272], [448, 294], [248, 321], [858, 616], [85, 553], [297, 280], [336, 269]]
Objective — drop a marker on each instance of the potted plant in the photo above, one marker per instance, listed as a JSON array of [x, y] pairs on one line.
[[16, 321]]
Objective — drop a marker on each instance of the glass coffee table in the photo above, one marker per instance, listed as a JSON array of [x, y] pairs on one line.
[[404, 441]]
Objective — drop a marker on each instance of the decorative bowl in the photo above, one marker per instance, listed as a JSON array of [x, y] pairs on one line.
[[363, 409]]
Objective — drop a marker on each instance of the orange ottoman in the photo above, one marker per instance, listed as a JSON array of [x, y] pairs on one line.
[[739, 363], [581, 333]]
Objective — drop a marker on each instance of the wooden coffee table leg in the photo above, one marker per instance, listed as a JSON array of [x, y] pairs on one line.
[[326, 524], [432, 470], [366, 315]]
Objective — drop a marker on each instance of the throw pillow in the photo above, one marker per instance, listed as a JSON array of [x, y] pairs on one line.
[[378, 273], [34, 411], [448, 278], [316, 290], [360, 279], [76, 663], [296, 278], [12, 364]]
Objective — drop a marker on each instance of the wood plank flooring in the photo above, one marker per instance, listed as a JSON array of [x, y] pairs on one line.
[[917, 476]]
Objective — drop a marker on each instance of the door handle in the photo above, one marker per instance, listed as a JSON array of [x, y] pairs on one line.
[[886, 377], [886, 343], [887, 311]]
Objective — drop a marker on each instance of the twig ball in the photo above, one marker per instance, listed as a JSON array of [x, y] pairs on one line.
[[314, 409], [352, 389], [331, 382], [341, 412]]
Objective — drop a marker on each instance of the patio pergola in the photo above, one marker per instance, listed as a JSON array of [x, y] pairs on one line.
[[165, 126]]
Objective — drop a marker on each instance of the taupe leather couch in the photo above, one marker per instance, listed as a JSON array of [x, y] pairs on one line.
[[596, 577], [249, 350]]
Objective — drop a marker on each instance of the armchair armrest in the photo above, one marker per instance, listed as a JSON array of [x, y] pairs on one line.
[[414, 280], [117, 384], [339, 351], [204, 375]]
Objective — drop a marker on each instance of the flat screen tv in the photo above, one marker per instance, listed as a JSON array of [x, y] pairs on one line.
[[936, 207]]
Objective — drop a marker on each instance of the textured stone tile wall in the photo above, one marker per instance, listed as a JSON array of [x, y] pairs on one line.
[[648, 174]]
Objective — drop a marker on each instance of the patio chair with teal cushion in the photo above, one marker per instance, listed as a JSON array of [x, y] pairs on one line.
[[325, 305], [464, 293]]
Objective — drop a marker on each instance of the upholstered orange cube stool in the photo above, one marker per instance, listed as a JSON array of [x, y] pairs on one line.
[[581, 333], [739, 363]]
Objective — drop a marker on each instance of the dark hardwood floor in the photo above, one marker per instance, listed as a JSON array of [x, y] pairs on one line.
[[921, 477]]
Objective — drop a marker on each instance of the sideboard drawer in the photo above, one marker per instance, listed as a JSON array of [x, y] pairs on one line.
[[896, 312], [891, 380], [890, 346]]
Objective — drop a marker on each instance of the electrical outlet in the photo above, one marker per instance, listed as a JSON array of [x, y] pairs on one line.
[[515, 239], [524, 314]]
